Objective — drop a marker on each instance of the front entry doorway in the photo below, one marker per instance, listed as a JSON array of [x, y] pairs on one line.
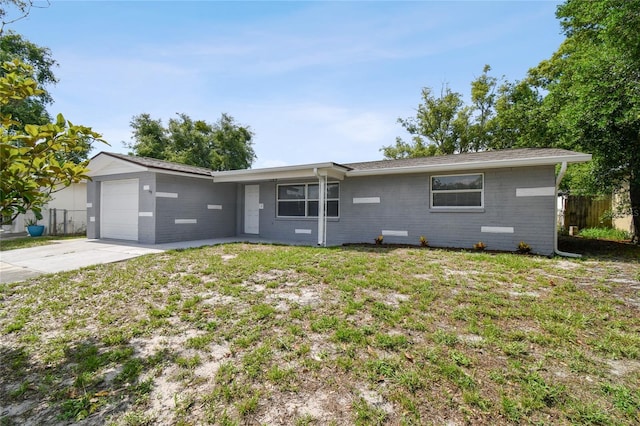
[[252, 209]]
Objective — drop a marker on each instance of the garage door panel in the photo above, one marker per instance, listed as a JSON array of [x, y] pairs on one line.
[[119, 209]]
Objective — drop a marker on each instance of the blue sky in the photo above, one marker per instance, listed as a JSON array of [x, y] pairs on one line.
[[316, 81]]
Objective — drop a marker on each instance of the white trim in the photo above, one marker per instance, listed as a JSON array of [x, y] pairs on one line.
[[89, 205], [497, 229], [252, 209], [332, 170], [145, 214], [185, 221], [366, 200], [166, 195], [106, 165], [92, 218], [392, 233], [176, 173], [475, 165], [103, 165], [541, 191], [458, 191], [322, 217], [214, 206], [303, 231], [306, 199], [119, 208]]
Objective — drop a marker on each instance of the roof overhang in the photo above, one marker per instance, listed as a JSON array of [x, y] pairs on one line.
[[104, 164], [305, 171], [475, 165]]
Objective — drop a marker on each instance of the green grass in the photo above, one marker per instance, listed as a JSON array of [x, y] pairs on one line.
[[26, 242], [260, 334], [605, 234]]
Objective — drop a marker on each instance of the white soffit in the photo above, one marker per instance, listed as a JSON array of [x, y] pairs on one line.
[[307, 171]]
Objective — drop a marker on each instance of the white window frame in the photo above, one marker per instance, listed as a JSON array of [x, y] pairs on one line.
[[457, 191], [306, 200]]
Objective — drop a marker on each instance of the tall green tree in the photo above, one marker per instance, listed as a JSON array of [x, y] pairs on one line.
[[223, 145], [34, 158], [150, 137], [520, 120], [33, 109], [433, 129], [445, 125], [482, 110], [592, 85]]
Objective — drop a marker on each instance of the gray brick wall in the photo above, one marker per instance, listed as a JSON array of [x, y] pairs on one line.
[[404, 207], [211, 206], [146, 225], [218, 211], [284, 229]]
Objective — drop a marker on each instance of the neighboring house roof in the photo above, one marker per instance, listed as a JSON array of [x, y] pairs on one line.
[[521, 157]]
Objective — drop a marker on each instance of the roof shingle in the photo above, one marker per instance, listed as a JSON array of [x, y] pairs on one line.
[[472, 157], [161, 164]]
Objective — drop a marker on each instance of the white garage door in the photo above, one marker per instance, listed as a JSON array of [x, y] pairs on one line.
[[119, 209]]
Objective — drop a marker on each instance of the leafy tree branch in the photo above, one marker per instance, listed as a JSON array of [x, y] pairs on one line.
[[35, 159]]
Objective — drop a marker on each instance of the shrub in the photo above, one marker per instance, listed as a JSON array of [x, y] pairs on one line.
[[523, 247], [480, 246]]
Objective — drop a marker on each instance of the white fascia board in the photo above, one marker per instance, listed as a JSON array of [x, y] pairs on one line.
[[475, 165], [176, 173], [332, 173], [105, 165], [287, 172]]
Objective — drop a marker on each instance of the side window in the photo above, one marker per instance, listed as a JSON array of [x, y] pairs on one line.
[[457, 191], [301, 200]]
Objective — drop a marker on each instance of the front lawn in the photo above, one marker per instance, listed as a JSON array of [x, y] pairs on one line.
[[26, 242], [262, 334]]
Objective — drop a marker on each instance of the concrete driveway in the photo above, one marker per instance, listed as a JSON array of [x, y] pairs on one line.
[[66, 255]]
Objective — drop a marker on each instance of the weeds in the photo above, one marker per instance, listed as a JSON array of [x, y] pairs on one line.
[[372, 335], [605, 234]]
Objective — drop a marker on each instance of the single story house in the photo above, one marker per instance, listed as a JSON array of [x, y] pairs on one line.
[[497, 197]]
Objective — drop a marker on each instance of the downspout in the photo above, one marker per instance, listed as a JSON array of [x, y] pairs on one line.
[[563, 170], [322, 187]]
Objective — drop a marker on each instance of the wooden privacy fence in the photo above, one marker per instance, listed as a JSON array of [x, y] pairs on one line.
[[587, 212]]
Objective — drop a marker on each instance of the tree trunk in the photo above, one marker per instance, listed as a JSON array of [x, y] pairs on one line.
[[634, 196], [634, 184]]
